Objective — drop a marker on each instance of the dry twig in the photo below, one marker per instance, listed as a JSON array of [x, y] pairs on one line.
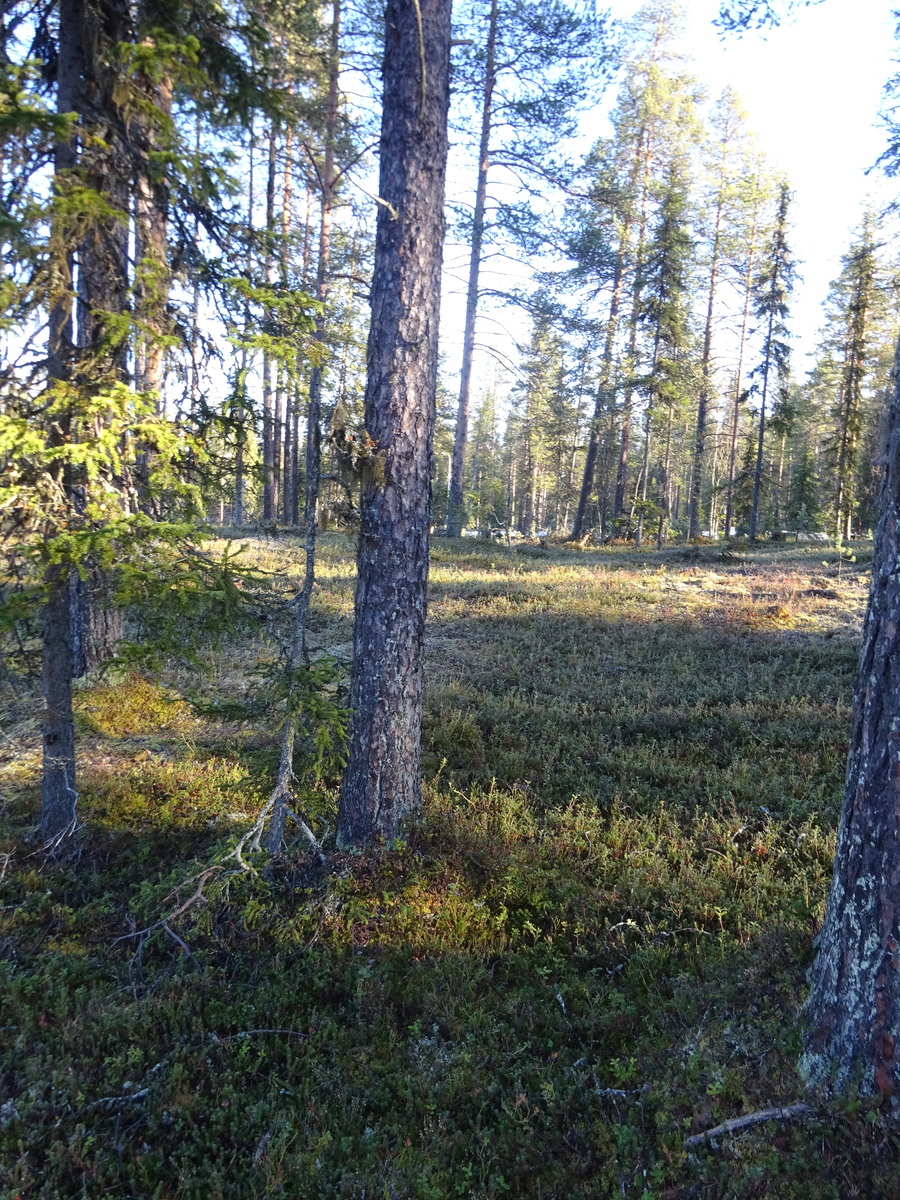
[[755, 1118]]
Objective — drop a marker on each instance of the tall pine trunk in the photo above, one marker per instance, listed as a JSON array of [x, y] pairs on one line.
[[58, 797], [603, 389], [854, 1006], [738, 400], [382, 782], [326, 179], [268, 392], [705, 381], [455, 506], [760, 440]]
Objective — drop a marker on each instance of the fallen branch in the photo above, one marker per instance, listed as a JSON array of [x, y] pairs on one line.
[[252, 1032], [756, 1118], [196, 898]]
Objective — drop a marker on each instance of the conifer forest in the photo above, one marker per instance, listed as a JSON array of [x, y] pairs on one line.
[[449, 636]]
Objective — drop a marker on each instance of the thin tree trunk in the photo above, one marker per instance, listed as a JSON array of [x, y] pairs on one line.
[[757, 474], [240, 413], [58, 797], [268, 413], [455, 508], [664, 499], [326, 185], [624, 444], [151, 220], [603, 389], [295, 461], [705, 381], [382, 782], [738, 395], [281, 420], [288, 465], [776, 516]]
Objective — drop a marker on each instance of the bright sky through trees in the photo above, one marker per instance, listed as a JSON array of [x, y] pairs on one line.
[[812, 89]]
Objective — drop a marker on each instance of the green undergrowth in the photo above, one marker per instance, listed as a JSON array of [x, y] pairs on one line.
[[592, 946]]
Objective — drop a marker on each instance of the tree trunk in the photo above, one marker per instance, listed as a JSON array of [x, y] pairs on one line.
[[760, 442], [58, 796], [240, 412], [326, 179], [106, 163], [455, 506], [382, 783], [739, 397], [270, 511], [779, 480], [603, 388], [151, 244], [854, 1007], [642, 169], [705, 382]]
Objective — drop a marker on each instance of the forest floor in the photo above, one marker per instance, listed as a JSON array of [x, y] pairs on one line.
[[593, 947]]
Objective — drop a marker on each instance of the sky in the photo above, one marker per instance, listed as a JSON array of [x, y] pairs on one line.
[[812, 89]]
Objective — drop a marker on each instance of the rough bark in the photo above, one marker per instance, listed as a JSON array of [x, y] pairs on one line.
[[455, 504], [58, 796], [854, 1006], [106, 162], [57, 668], [151, 234], [382, 782]]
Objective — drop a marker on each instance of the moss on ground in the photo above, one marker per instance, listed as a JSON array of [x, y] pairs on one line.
[[593, 945]]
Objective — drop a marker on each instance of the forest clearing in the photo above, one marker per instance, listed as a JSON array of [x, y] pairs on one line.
[[592, 947], [447, 753]]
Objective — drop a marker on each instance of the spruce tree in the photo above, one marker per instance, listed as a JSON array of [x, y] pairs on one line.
[[772, 289]]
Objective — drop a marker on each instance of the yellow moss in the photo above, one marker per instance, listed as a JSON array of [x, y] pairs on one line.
[[131, 707]]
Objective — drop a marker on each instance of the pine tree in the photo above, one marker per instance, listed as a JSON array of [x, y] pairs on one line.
[[654, 122], [664, 315], [382, 783], [854, 293], [754, 194], [728, 138], [538, 62], [772, 289]]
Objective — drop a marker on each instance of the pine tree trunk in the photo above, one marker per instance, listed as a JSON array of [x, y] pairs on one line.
[[240, 413], [745, 321], [645, 148], [455, 507], [854, 1006], [268, 396], [295, 462], [326, 184], [779, 481], [382, 782], [760, 444], [290, 463], [603, 389], [58, 796], [151, 245], [705, 384]]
